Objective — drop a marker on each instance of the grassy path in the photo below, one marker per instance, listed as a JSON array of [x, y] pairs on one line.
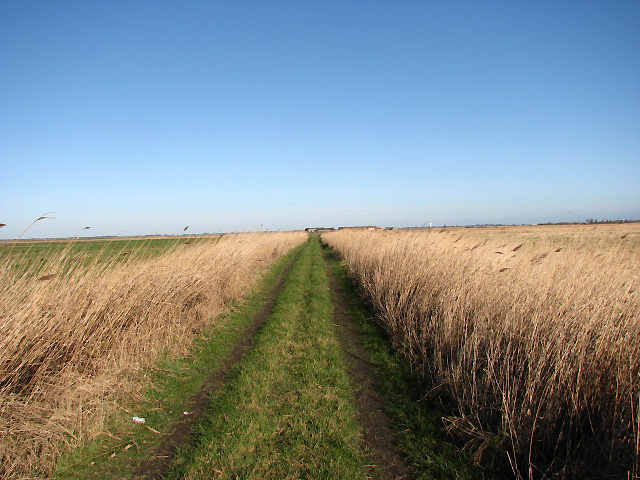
[[288, 412]]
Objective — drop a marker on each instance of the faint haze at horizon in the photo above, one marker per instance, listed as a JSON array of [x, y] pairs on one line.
[[139, 118]]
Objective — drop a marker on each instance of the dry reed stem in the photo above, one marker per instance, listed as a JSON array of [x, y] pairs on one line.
[[539, 347], [67, 342]]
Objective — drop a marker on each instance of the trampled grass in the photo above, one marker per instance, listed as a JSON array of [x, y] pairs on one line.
[[69, 339], [533, 331]]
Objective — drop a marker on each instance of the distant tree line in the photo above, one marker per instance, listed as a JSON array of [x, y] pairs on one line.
[[590, 221]]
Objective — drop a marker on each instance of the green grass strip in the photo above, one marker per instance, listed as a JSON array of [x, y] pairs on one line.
[[287, 411], [27, 255], [421, 437], [175, 381]]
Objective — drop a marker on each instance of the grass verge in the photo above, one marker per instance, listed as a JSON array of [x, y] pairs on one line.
[[287, 410], [116, 452], [421, 437]]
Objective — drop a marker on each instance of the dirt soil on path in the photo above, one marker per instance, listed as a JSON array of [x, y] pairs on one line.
[[378, 434], [158, 465]]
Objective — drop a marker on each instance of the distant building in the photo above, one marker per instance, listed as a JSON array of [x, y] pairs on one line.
[[318, 229], [367, 227]]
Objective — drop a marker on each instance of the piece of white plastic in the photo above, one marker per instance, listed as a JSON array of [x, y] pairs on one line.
[[139, 420]]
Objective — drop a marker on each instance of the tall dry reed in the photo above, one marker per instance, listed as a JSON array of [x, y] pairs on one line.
[[534, 332], [70, 333]]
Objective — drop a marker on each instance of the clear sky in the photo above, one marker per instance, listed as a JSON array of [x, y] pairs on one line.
[[141, 117]]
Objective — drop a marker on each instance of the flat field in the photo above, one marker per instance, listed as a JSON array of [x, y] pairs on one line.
[[19, 255]]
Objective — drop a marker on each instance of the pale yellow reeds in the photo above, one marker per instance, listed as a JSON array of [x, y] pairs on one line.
[[67, 341], [535, 332]]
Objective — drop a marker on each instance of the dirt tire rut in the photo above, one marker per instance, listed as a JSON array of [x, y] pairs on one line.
[[378, 434], [160, 463]]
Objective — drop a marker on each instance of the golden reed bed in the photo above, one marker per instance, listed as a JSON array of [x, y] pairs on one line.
[[533, 331], [68, 340]]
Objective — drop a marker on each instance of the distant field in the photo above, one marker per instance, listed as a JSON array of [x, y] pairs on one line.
[[21, 254]]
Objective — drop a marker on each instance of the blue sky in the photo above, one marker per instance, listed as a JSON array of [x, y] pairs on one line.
[[141, 117]]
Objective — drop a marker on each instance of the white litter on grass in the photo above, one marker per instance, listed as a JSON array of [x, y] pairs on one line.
[[139, 420], [186, 413]]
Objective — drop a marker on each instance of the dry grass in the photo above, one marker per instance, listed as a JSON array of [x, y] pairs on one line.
[[69, 337], [534, 332]]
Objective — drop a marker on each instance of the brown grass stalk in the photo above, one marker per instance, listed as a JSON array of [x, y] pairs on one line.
[[69, 338], [539, 347]]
